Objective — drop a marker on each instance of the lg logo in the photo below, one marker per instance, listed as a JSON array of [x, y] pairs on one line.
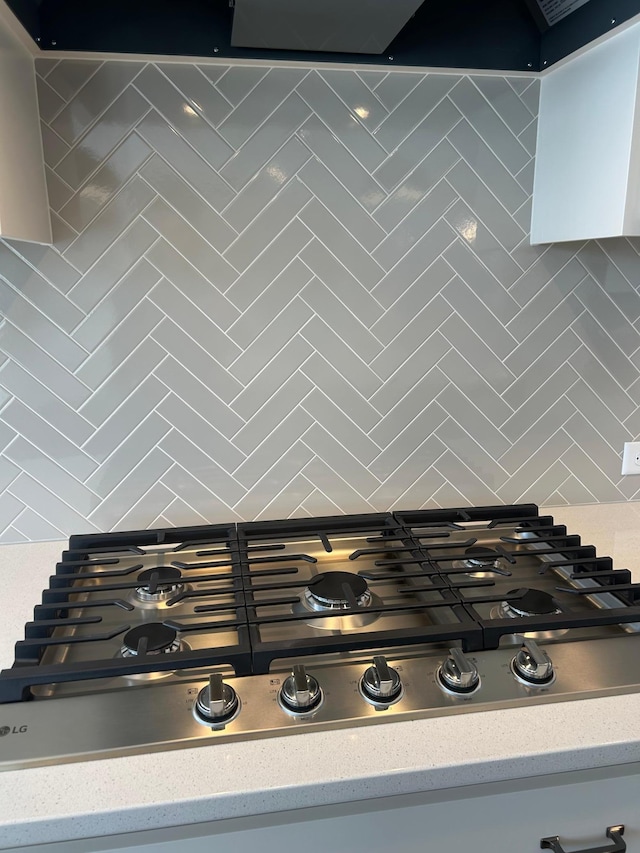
[[15, 730]]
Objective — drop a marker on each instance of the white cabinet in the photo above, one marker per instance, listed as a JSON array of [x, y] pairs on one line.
[[24, 206], [587, 172], [506, 817]]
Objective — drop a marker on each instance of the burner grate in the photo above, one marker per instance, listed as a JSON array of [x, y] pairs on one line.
[[268, 610], [99, 575], [235, 595]]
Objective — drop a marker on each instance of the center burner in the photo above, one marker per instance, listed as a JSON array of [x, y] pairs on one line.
[[534, 602], [482, 562], [158, 585], [153, 638], [332, 592], [337, 591]]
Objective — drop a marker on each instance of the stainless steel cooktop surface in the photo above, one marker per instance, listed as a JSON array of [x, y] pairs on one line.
[[159, 639]]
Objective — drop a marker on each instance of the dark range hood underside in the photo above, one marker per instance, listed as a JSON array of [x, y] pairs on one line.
[[494, 34]]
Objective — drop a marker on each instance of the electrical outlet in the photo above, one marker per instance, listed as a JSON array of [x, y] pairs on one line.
[[631, 457]]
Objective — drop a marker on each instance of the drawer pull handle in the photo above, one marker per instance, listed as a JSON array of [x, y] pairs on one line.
[[615, 833]]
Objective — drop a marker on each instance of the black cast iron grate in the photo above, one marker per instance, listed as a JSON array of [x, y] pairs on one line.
[[250, 568]]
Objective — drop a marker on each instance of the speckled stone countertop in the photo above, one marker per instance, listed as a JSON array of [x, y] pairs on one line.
[[118, 795]]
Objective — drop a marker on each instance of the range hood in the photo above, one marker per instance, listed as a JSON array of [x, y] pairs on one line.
[[343, 26]]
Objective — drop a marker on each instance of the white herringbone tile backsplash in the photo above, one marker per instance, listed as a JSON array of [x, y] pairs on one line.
[[283, 292]]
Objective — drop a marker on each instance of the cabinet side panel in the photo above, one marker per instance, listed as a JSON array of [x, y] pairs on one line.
[[585, 130], [24, 209]]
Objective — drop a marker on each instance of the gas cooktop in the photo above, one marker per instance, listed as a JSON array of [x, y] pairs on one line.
[[159, 639]]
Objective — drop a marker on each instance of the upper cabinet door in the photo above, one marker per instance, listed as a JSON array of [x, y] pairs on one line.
[[587, 175], [24, 207]]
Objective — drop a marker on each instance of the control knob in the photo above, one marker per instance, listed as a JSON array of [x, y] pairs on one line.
[[380, 683], [217, 703], [458, 673], [300, 693], [532, 664]]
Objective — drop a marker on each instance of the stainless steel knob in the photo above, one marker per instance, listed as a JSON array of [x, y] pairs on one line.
[[217, 702], [300, 693], [458, 673], [532, 664], [381, 683]]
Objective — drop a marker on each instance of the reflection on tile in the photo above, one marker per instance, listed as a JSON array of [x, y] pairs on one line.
[[337, 116], [108, 225], [109, 81], [265, 142], [357, 96], [201, 93], [182, 117], [116, 170], [161, 136], [268, 181]]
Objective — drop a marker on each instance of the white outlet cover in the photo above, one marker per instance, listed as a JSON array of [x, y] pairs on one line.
[[631, 457]]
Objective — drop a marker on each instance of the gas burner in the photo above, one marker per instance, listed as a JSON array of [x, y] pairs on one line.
[[159, 584], [483, 562], [333, 592], [154, 638], [534, 602]]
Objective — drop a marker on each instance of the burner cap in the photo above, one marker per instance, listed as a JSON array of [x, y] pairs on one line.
[[534, 602], [159, 637], [161, 574], [480, 555], [328, 588]]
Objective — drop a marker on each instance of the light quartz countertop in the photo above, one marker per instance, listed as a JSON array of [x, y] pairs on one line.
[[186, 786]]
